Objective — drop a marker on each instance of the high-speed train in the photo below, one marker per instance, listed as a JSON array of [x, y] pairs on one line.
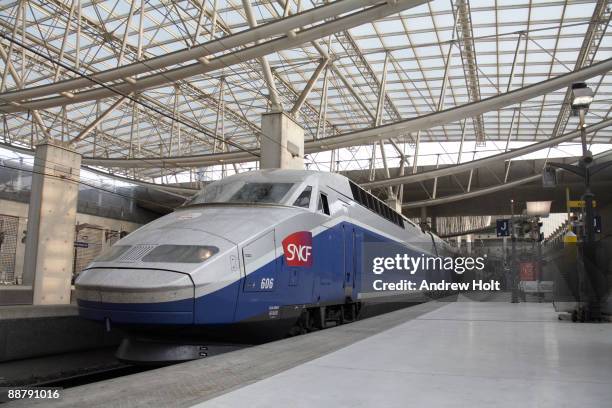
[[252, 257]]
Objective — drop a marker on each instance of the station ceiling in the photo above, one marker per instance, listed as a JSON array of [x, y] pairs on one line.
[[414, 58]]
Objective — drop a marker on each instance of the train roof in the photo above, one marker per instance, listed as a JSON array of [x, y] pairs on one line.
[[287, 175], [334, 180]]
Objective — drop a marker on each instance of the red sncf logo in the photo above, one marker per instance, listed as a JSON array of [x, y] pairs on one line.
[[298, 249]]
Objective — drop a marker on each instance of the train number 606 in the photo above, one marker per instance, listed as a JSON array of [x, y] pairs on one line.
[[267, 283]]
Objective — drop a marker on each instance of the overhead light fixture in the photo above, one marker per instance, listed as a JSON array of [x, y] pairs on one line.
[[538, 208], [582, 96], [549, 177]]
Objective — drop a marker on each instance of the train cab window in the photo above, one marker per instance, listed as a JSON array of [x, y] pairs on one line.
[[323, 204], [303, 199], [230, 191], [261, 193]]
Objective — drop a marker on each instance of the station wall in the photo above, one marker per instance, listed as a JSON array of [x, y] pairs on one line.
[[94, 234]]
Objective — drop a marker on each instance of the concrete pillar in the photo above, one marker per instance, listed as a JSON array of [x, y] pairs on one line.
[[395, 204], [468, 241], [51, 223], [424, 217], [282, 143]]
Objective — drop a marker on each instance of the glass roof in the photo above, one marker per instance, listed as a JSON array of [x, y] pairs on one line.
[[438, 55]]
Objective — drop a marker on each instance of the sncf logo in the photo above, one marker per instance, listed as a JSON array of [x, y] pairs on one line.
[[298, 249]]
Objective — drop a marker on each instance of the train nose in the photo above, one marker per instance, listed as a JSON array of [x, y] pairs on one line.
[[135, 296]]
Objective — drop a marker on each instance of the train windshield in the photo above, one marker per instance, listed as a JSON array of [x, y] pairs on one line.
[[243, 192]]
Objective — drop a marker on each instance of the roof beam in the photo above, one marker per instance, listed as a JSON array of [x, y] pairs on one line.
[[465, 40], [160, 79], [96, 121], [470, 194], [309, 85], [263, 32], [371, 135], [265, 66], [592, 39], [458, 168]]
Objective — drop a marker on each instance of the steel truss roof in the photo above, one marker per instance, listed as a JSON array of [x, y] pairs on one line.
[[429, 57]]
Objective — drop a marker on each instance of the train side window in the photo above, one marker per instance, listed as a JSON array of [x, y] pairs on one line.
[[323, 204], [371, 202], [304, 198], [378, 208]]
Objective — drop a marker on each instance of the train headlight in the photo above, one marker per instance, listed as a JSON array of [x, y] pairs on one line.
[[181, 253]]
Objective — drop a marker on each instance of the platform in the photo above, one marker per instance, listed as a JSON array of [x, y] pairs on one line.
[[28, 331], [476, 354], [465, 354]]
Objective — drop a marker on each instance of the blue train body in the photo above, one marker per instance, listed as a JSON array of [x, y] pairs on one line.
[[257, 250]]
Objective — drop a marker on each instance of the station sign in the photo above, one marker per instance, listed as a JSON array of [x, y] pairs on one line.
[[503, 228], [579, 204], [597, 223]]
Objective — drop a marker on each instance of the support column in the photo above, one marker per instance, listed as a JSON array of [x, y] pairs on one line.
[[424, 218], [282, 142], [51, 223], [395, 204]]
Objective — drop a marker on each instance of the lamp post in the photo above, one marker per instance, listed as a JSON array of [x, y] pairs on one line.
[[582, 98], [513, 264]]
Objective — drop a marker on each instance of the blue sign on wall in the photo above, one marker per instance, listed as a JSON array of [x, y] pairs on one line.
[[503, 228]]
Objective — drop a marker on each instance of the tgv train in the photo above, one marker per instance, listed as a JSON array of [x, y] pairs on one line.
[[252, 257]]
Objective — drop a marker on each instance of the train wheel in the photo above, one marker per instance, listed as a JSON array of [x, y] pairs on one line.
[[302, 324], [349, 312]]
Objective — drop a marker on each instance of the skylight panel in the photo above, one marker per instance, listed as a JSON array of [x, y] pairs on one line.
[[481, 31], [603, 53], [482, 17], [485, 46], [580, 10], [428, 51], [369, 43], [443, 20], [435, 73], [428, 37], [534, 56], [390, 25], [568, 57], [546, 13], [488, 58], [395, 41], [579, 29], [569, 42], [502, 3]]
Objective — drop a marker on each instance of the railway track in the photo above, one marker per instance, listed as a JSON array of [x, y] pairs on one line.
[[93, 376]]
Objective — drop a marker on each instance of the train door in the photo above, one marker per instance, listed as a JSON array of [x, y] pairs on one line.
[[349, 260], [328, 252], [357, 261], [328, 255], [260, 264]]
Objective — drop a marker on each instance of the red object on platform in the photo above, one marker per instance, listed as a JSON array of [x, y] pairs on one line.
[[528, 271]]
